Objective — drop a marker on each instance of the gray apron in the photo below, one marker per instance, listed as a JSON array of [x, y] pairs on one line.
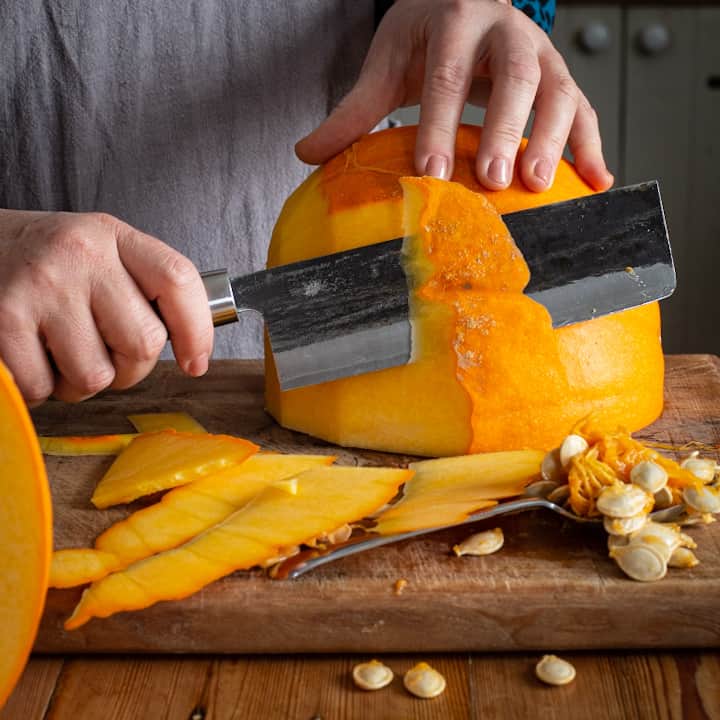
[[177, 117]]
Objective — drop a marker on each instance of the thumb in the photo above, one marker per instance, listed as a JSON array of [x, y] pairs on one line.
[[377, 92]]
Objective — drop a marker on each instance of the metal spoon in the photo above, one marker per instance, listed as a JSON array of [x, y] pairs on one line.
[[306, 561]]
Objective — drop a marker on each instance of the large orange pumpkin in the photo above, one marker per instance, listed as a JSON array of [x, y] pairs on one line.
[[25, 534], [489, 372]]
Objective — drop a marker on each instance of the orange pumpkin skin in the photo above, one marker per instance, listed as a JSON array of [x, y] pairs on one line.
[[25, 534], [530, 384]]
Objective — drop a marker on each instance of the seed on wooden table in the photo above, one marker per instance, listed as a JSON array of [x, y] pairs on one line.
[[424, 681], [372, 675], [683, 557], [554, 670], [482, 543], [641, 562]]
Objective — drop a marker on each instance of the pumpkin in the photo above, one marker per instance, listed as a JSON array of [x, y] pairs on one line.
[[489, 373], [282, 515], [25, 534]]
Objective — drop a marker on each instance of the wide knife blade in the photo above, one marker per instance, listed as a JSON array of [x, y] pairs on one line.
[[348, 313]]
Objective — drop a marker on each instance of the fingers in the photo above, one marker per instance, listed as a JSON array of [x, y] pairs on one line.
[[556, 105], [448, 76], [26, 358], [166, 276], [133, 332], [586, 147], [377, 92], [515, 73], [83, 364]]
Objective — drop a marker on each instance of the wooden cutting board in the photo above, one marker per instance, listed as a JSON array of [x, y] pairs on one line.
[[551, 587]]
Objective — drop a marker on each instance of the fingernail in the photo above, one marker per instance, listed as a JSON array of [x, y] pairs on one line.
[[198, 365], [544, 171], [437, 166], [498, 171]]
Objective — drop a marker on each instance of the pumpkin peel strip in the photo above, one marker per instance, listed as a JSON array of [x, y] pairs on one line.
[[328, 497]]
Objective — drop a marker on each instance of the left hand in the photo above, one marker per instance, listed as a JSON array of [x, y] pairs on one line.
[[442, 53]]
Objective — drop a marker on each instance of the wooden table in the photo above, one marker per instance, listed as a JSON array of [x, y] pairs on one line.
[[673, 684]]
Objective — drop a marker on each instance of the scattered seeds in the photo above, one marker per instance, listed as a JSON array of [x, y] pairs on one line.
[[640, 561], [702, 468], [622, 500], [424, 681], [704, 499], [663, 498], [571, 446], [482, 543], [372, 675], [683, 557], [649, 476], [554, 670], [624, 526]]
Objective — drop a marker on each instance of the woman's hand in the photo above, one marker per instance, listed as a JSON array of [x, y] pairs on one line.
[[75, 313], [442, 53]]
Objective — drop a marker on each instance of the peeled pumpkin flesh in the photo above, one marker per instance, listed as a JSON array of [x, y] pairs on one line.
[[325, 499], [167, 459], [153, 422], [70, 445], [488, 373], [77, 566], [181, 514], [446, 491], [25, 534]]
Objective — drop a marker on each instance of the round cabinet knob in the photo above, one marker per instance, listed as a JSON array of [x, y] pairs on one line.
[[654, 39], [594, 38]]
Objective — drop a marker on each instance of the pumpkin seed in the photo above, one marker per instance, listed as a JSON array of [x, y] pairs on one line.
[[424, 681], [372, 675], [623, 500], [554, 670], [649, 476], [482, 543]]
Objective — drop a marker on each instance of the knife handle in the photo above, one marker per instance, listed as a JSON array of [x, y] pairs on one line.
[[220, 297]]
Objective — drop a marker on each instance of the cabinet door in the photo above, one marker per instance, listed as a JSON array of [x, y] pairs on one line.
[[672, 118], [590, 40]]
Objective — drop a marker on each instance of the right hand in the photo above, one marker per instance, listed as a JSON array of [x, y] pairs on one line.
[[75, 313]]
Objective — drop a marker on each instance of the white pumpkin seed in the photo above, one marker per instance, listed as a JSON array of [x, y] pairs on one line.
[[554, 670], [482, 543], [372, 675]]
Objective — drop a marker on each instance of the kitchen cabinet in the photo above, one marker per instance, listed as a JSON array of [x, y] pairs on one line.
[[652, 72]]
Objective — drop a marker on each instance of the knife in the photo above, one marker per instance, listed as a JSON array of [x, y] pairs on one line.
[[348, 313]]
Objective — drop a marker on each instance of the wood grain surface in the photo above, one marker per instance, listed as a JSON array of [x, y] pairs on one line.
[[551, 587], [610, 686]]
